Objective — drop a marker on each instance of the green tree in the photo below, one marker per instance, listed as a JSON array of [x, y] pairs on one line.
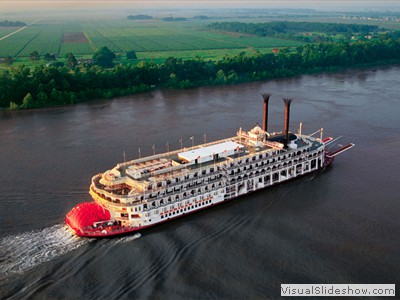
[[27, 102], [173, 81], [49, 57], [232, 77], [21, 83], [131, 55], [42, 99], [220, 77], [8, 60], [56, 97], [13, 106], [104, 57], [71, 60], [34, 56]]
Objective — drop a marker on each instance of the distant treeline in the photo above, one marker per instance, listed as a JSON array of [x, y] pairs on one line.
[[170, 19], [12, 24], [147, 17], [201, 17], [23, 87], [273, 28], [139, 17]]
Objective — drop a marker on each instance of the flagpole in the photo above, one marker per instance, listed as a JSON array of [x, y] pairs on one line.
[[300, 128], [192, 139], [170, 166]]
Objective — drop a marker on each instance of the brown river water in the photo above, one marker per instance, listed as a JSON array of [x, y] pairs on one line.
[[341, 226]]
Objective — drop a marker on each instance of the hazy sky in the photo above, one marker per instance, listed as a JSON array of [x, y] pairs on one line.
[[340, 5]]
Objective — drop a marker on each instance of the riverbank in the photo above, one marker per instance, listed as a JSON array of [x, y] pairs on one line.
[[331, 70], [26, 88]]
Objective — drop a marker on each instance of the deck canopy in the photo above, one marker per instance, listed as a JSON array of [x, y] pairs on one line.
[[209, 153]]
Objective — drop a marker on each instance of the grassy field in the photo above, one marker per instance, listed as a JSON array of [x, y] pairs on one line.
[[153, 39]]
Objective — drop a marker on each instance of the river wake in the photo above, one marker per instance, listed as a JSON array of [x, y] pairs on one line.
[[21, 252]]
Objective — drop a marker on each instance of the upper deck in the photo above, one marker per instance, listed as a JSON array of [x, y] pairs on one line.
[[133, 178]]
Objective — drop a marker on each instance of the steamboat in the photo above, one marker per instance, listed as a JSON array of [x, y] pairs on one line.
[[147, 191]]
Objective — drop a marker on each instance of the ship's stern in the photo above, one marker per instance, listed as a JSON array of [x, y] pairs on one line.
[[83, 215]]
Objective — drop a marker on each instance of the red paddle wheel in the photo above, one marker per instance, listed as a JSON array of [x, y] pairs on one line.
[[85, 214]]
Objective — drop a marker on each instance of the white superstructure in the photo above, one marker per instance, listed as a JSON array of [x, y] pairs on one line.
[[145, 191]]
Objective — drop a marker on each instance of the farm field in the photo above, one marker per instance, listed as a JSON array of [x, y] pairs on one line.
[[6, 30], [149, 39]]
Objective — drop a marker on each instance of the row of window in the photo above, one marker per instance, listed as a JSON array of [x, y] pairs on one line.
[[279, 158], [275, 176], [186, 182], [174, 199], [179, 196], [182, 210], [262, 171]]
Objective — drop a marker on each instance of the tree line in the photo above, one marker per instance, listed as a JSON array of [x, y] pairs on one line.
[[23, 87], [278, 27], [139, 17], [7, 23]]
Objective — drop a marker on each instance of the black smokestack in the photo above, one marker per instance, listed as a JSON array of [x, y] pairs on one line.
[[286, 121], [265, 115]]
